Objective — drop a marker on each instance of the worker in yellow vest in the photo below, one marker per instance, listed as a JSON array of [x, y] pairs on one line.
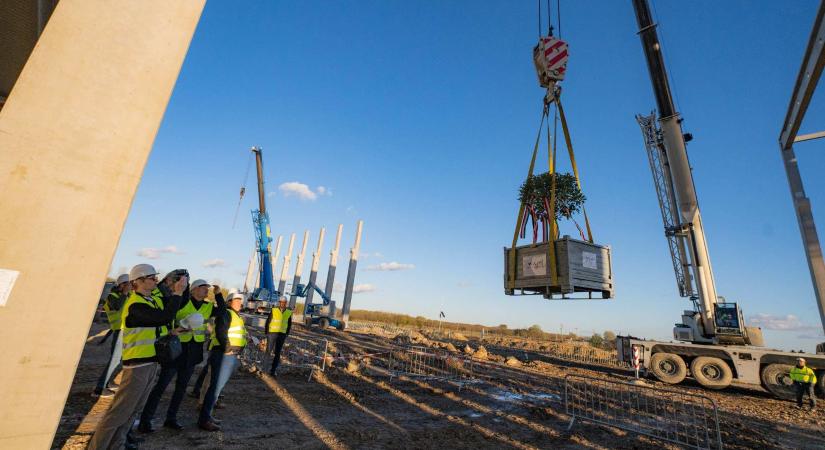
[[143, 322], [804, 379], [112, 306], [192, 317], [226, 344], [277, 327]]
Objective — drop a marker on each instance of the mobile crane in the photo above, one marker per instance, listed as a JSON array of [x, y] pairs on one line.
[[713, 341], [264, 294]]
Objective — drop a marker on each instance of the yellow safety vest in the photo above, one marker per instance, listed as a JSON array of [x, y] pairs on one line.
[[140, 342], [113, 315], [279, 320], [158, 296], [804, 374], [236, 333], [198, 333]]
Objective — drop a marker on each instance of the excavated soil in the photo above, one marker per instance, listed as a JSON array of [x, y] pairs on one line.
[[354, 404]]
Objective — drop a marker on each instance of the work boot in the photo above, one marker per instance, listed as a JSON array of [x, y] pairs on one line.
[[145, 427], [173, 424], [209, 426], [132, 439], [105, 393]]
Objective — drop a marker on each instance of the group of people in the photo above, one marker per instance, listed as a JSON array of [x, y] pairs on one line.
[[143, 314]]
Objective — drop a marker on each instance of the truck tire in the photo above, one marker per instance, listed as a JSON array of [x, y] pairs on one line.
[[710, 372], [323, 323], [777, 380], [668, 367]]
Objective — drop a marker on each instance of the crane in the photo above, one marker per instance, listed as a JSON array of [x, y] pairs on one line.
[[265, 293], [712, 339], [322, 314]]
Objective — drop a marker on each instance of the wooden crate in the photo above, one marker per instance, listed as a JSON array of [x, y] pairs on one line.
[[580, 267]]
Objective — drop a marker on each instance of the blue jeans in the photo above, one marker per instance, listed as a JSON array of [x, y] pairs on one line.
[[114, 365], [222, 367]]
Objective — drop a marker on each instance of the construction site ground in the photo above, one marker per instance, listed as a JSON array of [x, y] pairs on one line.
[[352, 405]]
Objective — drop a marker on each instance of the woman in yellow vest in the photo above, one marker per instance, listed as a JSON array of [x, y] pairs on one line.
[[277, 326], [227, 342], [804, 379], [144, 321]]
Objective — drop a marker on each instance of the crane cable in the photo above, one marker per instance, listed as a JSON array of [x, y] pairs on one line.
[[243, 189]]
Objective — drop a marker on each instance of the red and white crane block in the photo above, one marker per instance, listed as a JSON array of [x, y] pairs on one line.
[[550, 57]]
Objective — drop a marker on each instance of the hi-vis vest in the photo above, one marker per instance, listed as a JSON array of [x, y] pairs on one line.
[[140, 342], [113, 315], [279, 320], [803, 375], [199, 333], [236, 334]]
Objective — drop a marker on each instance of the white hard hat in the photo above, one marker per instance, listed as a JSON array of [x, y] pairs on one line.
[[122, 278], [235, 295], [197, 283], [192, 321], [141, 270]]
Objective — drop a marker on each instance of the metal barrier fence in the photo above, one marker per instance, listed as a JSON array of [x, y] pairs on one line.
[[687, 419], [294, 354], [424, 362]]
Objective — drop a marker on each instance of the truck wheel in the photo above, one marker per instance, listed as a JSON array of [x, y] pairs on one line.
[[710, 372], [776, 379], [668, 367], [323, 323], [819, 388]]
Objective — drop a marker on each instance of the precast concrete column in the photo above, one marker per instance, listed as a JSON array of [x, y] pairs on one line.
[[299, 267], [285, 265], [353, 263], [333, 262], [313, 271], [75, 134]]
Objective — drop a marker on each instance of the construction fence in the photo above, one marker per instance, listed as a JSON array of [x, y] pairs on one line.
[[416, 361], [690, 420], [295, 354]]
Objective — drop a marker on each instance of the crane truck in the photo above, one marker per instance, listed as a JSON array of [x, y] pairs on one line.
[[712, 343], [265, 293], [321, 314]]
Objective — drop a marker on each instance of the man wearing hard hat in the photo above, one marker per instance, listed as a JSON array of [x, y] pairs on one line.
[[144, 320], [112, 306], [804, 379], [192, 318], [277, 327]]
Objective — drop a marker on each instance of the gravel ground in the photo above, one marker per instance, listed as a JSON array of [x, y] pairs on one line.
[[504, 407]]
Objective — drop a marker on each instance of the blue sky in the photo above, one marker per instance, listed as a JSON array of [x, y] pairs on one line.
[[419, 118]]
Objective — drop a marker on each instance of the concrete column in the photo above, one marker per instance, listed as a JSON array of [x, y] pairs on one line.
[[274, 257], [285, 265], [313, 272], [299, 268], [75, 135], [333, 262], [353, 263]]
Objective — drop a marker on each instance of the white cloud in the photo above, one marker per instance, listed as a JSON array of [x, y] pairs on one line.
[[464, 284], [782, 323], [391, 266], [360, 288], [357, 289], [212, 263], [303, 191], [156, 253]]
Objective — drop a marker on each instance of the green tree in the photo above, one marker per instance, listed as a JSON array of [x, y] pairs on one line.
[[596, 340]]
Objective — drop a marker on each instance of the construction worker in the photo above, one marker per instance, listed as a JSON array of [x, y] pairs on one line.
[[143, 322], [192, 315], [227, 342], [112, 306], [277, 327], [804, 379]]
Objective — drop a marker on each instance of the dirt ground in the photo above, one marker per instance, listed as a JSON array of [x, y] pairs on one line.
[[519, 406]]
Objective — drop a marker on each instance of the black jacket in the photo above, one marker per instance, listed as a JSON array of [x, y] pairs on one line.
[[143, 315]]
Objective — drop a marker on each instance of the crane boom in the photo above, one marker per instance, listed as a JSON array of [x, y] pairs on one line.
[[690, 248]]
